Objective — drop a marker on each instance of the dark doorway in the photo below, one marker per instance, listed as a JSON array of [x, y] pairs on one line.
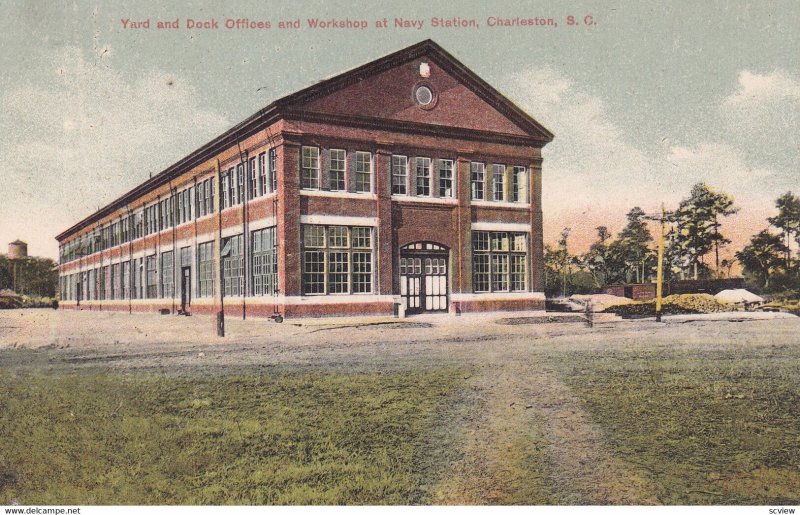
[[186, 289]]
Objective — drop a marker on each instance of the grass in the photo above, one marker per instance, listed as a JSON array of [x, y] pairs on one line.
[[283, 438], [710, 428]]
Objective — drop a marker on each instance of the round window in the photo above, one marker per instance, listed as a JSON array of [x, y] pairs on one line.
[[424, 95]]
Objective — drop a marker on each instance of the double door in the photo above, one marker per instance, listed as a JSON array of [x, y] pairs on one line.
[[423, 282]]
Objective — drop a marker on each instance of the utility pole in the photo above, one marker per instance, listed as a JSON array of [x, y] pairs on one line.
[[660, 269]]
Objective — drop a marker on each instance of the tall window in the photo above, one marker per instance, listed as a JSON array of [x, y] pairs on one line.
[[423, 176], [399, 175], [337, 170], [498, 181], [240, 183], [499, 261], [273, 168], [125, 286], [136, 293], [167, 277], [337, 259], [265, 262], [477, 179], [252, 178], [519, 184], [263, 184], [445, 178], [309, 168], [225, 189], [152, 277], [232, 266], [205, 269], [363, 172]]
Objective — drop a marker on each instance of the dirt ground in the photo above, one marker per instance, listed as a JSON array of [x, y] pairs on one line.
[[514, 386]]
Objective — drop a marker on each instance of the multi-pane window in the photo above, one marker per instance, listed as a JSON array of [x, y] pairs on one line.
[[498, 181], [445, 178], [263, 185], [309, 168], [225, 189], [265, 262], [136, 293], [124, 289], [519, 184], [167, 274], [363, 172], [205, 269], [232, 266], [252, 178], [399, 175], [151, 276], [337, 259], [240, 183], [423, 176], [337, 169], [499, 261], [477, 179], [104, 293], [116, 282], [205, 197], [273, 164]]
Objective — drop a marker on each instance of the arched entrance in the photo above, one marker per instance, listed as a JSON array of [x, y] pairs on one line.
[[423, 277]]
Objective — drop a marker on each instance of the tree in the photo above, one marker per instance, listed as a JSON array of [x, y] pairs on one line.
[[697, 221], [762, 257], [633, 247], [603, 260], [788, 221]]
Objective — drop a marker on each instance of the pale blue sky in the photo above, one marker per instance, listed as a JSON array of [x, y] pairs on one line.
[[650, 100]]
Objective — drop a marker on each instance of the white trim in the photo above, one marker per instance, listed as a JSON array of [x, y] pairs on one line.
[[333, 299], [516, 295], [338, 194], [501, 203], [262, 223], [231, 231], [339, 220], [500, 226], [432, 200]]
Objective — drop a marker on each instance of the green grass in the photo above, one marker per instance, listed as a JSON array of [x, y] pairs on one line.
[[711, 428], [282, 438]]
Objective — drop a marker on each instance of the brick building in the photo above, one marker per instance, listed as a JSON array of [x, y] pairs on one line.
[[406, 184]]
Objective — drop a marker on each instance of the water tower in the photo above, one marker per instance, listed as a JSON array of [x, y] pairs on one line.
[[17, 250]]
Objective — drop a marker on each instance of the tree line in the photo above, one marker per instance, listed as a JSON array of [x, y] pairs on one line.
[[693, 242]]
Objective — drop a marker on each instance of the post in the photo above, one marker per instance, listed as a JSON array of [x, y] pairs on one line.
[[660, 268]]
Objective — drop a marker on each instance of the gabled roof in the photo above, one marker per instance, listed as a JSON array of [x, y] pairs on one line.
[[290, 106]]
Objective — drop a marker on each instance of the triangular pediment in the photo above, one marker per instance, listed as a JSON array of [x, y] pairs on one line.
[[385, 89]]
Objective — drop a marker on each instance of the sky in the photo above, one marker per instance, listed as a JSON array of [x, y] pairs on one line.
[[645, 100]]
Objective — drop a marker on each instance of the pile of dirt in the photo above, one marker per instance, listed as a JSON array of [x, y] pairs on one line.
[[601, 301], [673, 305]]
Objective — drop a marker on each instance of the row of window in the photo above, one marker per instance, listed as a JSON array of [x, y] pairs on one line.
[[505, 183], [153, 277], [258, 177], [336, 260]]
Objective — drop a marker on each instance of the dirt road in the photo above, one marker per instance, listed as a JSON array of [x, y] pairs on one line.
[[518, 399]]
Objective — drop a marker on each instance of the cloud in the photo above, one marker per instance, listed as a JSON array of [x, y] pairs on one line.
[[86, 136], [762, 117], [758, 89], [594, 172]]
